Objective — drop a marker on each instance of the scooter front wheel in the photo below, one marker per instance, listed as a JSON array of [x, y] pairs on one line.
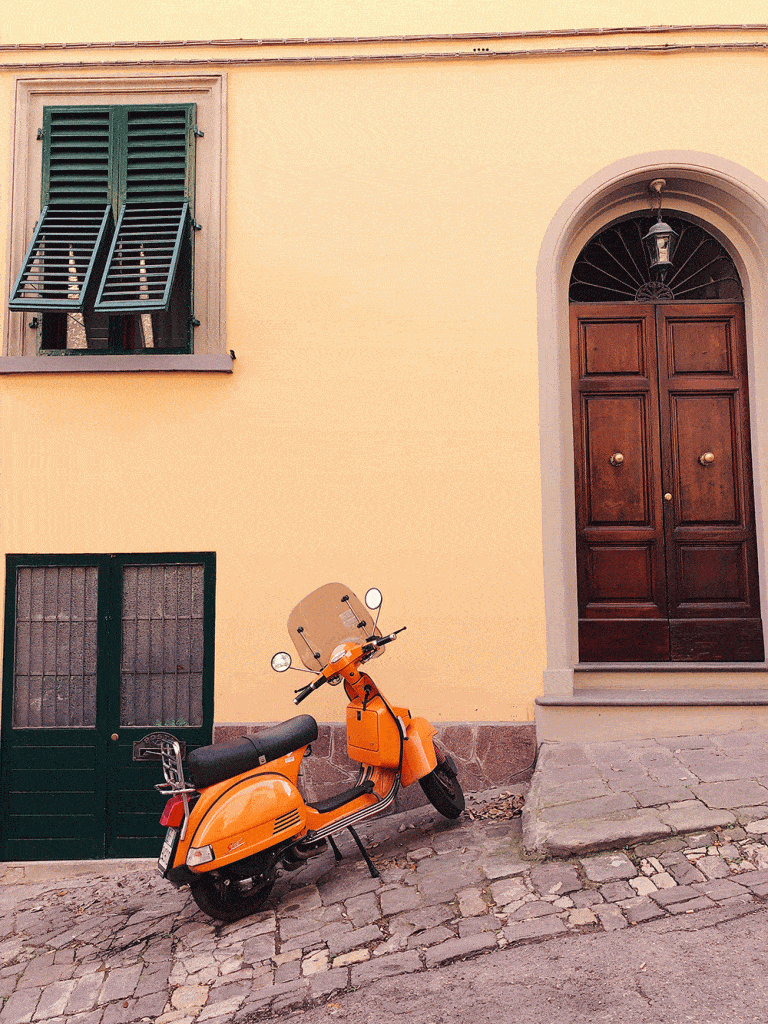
[[227, 899], [442, 789]]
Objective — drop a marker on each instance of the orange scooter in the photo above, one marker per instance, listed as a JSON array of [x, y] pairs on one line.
[[240, 818]]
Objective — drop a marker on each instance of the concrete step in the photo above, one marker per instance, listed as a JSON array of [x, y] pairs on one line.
[[611, 713]]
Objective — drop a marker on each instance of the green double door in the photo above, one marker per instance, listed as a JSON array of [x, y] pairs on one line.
[[101, 651]]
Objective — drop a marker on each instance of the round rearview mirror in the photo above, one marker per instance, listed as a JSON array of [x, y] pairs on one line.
[[281, 661], [373, 598]]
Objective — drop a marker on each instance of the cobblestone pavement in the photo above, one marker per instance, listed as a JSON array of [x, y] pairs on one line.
[[104, 950], [589, 797]]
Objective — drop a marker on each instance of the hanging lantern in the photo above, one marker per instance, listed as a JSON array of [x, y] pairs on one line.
[[660, 245], [661, 239]]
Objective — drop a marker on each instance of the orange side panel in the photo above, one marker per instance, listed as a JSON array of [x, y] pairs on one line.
[[419, 757]]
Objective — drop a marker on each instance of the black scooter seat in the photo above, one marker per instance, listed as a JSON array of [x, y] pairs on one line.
[[220, 761]]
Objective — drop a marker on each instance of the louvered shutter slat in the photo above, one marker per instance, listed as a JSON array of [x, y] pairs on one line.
[[58, 269], [142, 265]]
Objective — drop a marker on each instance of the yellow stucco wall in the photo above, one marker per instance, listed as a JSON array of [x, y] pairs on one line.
[[384, 221]]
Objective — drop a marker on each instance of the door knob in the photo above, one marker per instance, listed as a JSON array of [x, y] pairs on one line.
[[616, 459], [114, 737], [667, 496], [707, 458]]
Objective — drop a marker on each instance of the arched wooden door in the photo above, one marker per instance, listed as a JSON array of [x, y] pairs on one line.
[[666, 550]]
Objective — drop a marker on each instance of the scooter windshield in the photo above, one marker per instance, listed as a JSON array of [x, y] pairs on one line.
[[326, 618]]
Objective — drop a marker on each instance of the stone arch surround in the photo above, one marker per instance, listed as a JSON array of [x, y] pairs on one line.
[[731, 202]]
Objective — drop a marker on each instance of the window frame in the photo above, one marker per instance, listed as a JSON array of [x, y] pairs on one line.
[[21, 353]]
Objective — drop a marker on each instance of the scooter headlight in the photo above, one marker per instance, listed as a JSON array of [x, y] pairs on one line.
[[196, 856]]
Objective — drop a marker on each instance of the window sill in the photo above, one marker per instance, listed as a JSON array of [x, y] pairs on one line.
[[116, 364]]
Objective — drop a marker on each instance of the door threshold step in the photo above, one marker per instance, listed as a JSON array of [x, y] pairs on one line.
[[671, 666], [627, 698]]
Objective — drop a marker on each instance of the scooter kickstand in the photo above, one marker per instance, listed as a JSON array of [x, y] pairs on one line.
[[336, 851], [371, 866]]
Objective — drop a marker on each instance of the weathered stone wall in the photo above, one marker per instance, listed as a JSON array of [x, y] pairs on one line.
[[487, 755]]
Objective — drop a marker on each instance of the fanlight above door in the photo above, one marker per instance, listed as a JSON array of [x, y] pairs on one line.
[[613, 267]]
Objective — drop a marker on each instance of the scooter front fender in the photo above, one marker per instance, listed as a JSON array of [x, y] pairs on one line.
[[419, 757], [249, 815]]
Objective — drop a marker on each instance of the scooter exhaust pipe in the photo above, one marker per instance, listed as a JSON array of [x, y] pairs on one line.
[[301, 852]]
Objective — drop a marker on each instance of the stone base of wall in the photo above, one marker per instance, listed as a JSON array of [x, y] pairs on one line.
[[487, 755]]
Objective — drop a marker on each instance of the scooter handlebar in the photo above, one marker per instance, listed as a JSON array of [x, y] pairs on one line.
[[310, 688]]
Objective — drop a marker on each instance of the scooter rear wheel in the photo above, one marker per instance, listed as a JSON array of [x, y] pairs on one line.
[[442, 789], [227, 899]]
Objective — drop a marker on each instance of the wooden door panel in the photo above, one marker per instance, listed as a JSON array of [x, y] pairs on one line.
[[624, 640], [621, 575], [700, 344], [710, 575], [709, 525], [706, 493], [621, 571], [616, 346], [618, 494]]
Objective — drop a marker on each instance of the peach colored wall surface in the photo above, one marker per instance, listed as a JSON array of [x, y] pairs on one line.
[[381, 426]]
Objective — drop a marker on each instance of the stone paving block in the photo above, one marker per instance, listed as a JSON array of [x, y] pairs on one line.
[[713, 867], [578, 918], [537, 929], [395, 901], [471, 903], [508, 891], [584, 810], [680, 894], [500, 864], [53, 1000], [701, 903], [151, 1006], [385, 967], [429, 937], [612, 892], [694, 815], [562, 755], [85, 993], [20, 1006], [581, 789], [653, 796], [259, 948], [473, 925], [351, 940], [587, 898], [330, 981], [555, 879], [453, 949], [363, 909], [609, 867], [537, 908], [681, 869], [736, 793], [622, 782], [641, 909], [120, 983], [720, 889], [611, 917]]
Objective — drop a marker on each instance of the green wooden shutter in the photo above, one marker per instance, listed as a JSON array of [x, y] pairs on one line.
[[156, 148], [66, 253]]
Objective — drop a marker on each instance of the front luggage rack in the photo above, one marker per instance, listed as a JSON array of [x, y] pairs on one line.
[[175, 784]]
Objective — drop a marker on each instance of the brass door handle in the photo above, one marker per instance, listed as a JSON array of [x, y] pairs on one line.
[[616, 459], [707, 458], [667, 496], [114, 737]]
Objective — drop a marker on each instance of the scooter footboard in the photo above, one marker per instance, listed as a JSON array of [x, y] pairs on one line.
[[419, 757]]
